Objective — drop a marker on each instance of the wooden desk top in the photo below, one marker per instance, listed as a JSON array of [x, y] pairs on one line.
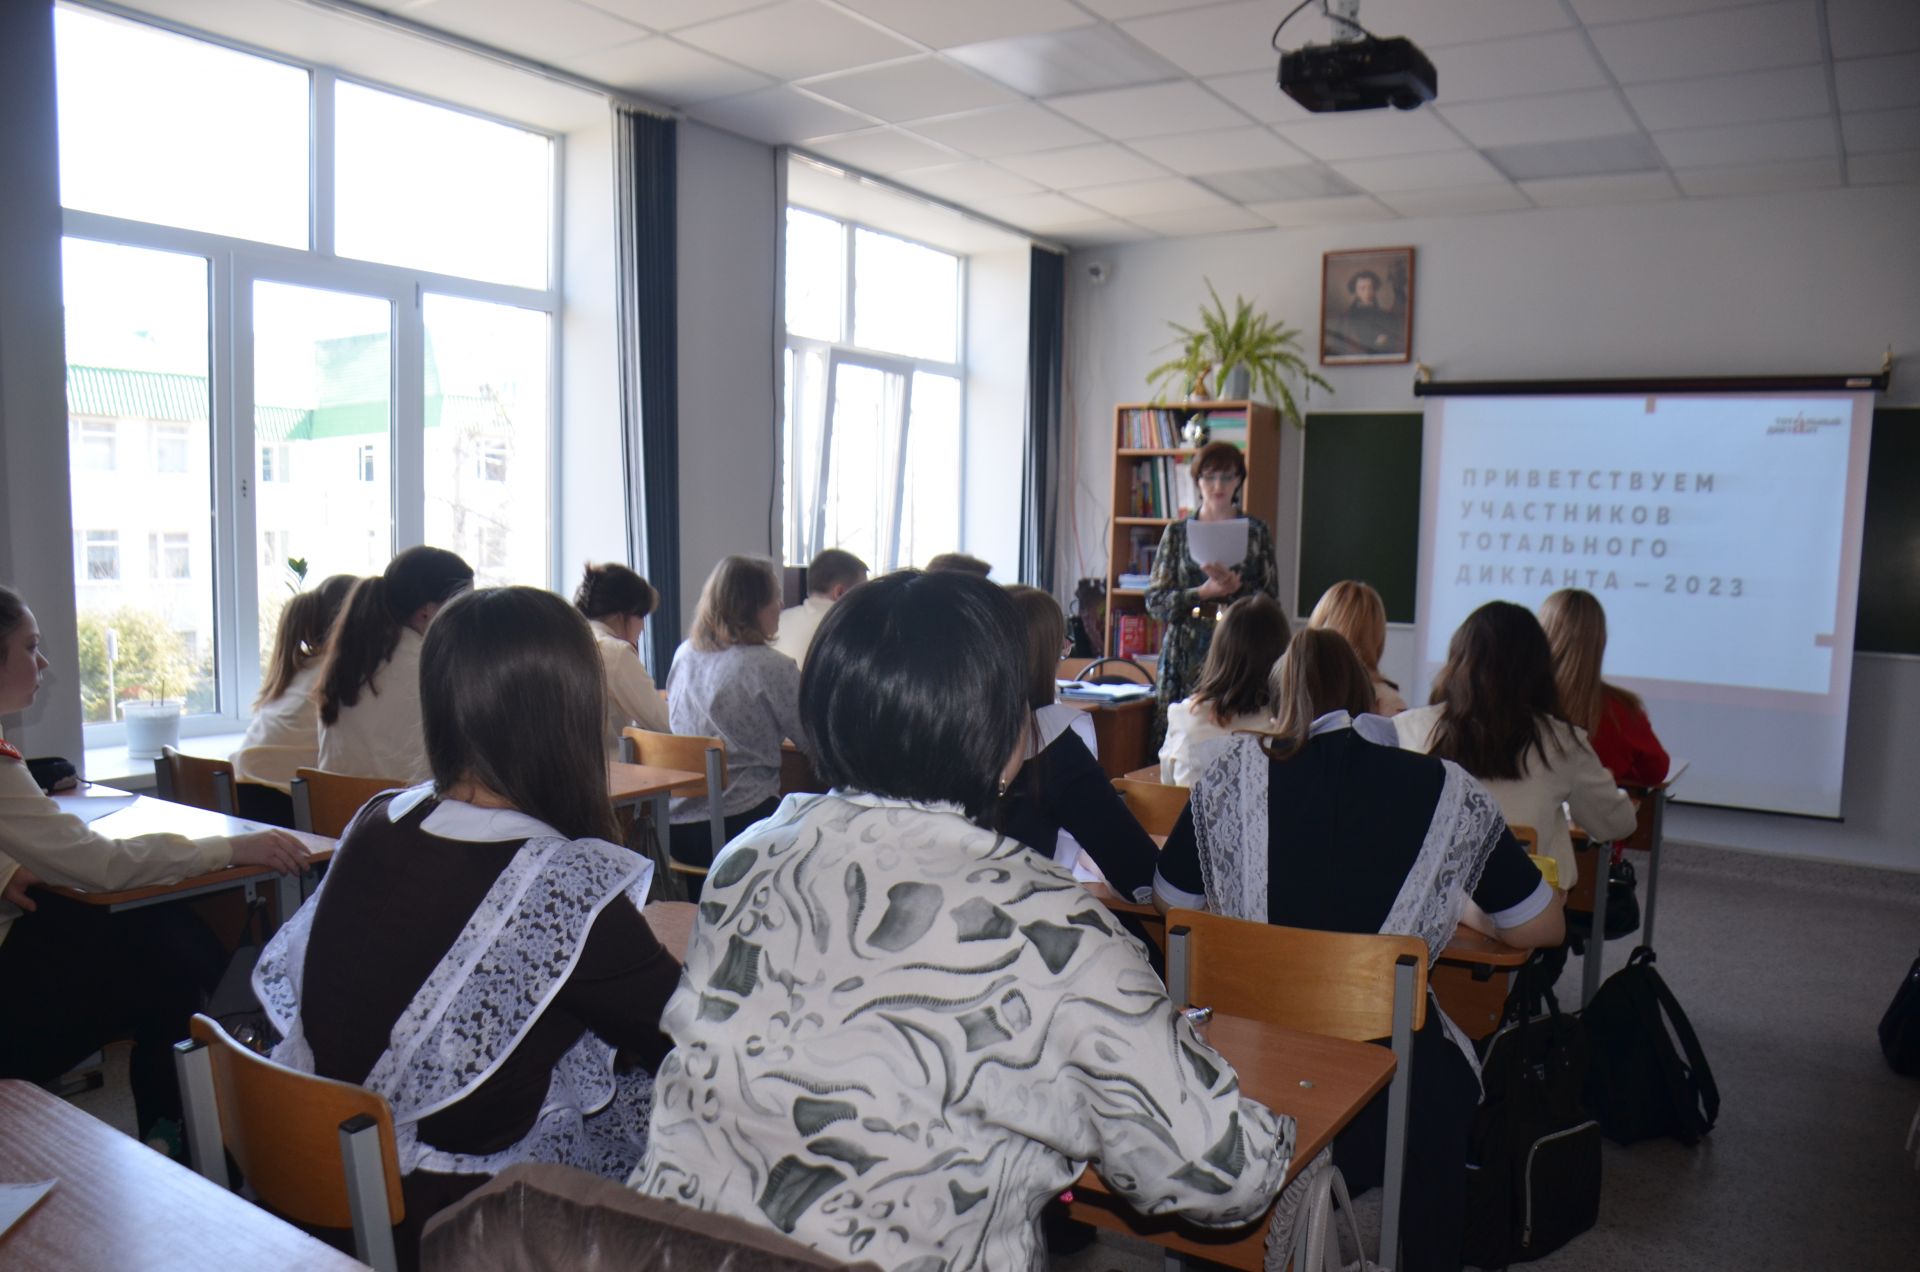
[[1471, 947], [630, 783], [119, 1204], [146, 815], [1131, 704]]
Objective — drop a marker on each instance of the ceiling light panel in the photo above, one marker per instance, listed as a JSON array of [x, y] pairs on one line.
[[1351, 209], [1077, 60], [1862, 28], [1038, 212], [1224, 150], [1104, 232], [666, 71], [669, 15], [1278, 185], [881, 150], [779, 114], [796, 39], [968, 182], [1552, 63], [1168, 194], [1512, 121], [1752, 38], [1462, 201], [1877, 130], [911, 89], [1212, 41], [1630, 152], [1792, 92], [1760, 178], [1078, 166], [1420, 172], [1878, 83], [1435, 25], [1213, 220], [1903, 165], [1115, 10], [1621, 187], [1005, 130], [946, 23], [566, 28], [1749, 143], [1371, 133], [1600, 12], [1151, 111]]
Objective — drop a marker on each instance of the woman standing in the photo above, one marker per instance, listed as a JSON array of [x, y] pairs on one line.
[[616, 602], [1615, 719], [1188, 595]]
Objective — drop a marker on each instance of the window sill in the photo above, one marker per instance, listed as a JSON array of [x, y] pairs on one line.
[[110, 765]]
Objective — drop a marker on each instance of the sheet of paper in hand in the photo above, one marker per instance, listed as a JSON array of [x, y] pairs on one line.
[[1221, 543]]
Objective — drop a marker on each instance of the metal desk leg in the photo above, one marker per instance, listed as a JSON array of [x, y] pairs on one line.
[[1597, 937], [286, 893], [1654, 842], [657, 807]]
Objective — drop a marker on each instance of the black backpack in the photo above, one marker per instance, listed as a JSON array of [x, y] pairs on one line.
[[1533, 1163], [1900, 1027], [1640, 1085]]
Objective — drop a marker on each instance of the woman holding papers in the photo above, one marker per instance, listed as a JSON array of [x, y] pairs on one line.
[[1204, 564]]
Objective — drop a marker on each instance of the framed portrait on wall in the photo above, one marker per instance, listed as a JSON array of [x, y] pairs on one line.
[[1366, 306]]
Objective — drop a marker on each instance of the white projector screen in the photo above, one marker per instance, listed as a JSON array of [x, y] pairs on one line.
[[1720, 531]]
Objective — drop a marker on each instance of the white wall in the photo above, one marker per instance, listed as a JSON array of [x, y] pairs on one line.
[[36, 544], [1771, 284], [730, 221], [590, 508], [996, 408]]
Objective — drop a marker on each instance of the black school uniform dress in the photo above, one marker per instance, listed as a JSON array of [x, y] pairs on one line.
[[1347, 824], [1061, 790]]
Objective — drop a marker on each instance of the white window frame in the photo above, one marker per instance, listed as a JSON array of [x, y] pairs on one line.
[[91, 539], [99, 430], [159, 545], [801, 540], [234, 265]]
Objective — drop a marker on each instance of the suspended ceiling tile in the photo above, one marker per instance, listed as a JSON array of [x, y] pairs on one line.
[[1223, 150], [1615, 187], [1370, 134], [1256, 93], [1104, 232], [1595, 112], [1878, 83], [1076, 166], [1077, 60], [915, 88], [1460, 201], [1278, 185], [1884, 169], [881, 150], [945, 24], [1760, 178], [1189, 221], [566, 28], [1005, 130], [1600, 12], [1337, 211], [795, 39], [1420, 172], [669, 15], [1591, 156], [1038, 212], [1751, 38], [1558, 61], [666, 71], [968, 182], [1792, 92], [779, 114], [1749, 143], [1166, 194], [1877, 130], [1863, 28], [1116, 10], [1212, 41], [1434, 25], [1150, 111]]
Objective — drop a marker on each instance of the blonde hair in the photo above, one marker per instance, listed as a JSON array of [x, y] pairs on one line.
[[729, 610], [1319, 673], [1355, 610], [1576, 628]]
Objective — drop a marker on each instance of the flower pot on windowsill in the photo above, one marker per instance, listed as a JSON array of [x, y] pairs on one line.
[[151, 727]]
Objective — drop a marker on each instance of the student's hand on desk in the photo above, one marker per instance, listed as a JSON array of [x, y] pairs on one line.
[[274, 849], [16, 890]]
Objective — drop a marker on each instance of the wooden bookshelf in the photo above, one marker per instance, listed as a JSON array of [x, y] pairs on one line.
[[1151, 488]]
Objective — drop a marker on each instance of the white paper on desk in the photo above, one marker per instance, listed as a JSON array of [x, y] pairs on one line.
[[17, 1199], [91, 808], [1217, 542]]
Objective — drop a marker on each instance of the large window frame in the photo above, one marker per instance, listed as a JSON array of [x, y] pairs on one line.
[[234, 266], [805, 517]]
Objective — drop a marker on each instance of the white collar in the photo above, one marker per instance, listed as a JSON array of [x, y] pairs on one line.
[[601, 630], [818, 604], [1372, 728], [869, 800], [457, 819]]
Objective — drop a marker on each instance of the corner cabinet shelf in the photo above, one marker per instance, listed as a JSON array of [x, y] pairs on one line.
[[1151, 490]]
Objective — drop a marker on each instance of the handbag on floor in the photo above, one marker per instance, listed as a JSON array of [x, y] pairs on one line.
[[1640, 1084], [1623, 905], [1533, 1162], [1900, 1027]]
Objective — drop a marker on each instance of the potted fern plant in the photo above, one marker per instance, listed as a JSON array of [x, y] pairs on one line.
[[1242, 343]]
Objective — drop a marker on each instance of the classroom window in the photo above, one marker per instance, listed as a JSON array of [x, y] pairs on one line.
[[102, 555], [390, 379], [873, 407]]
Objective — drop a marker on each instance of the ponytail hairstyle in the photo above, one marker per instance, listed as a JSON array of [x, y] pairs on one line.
[[368, 629], [614, 591], [1235, 679], [13, 612], [1319, 673], [1496, 693], [513, 698], [730, 604], [1576, 628], [302, 636]]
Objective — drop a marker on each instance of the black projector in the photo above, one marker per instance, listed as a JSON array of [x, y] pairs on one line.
[[1364, 74]]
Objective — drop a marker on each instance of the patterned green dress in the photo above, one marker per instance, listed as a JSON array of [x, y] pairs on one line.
[[1170, 598]]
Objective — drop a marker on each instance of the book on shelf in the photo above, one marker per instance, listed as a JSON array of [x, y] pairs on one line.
[[1151, 428], [1161, 487], [1133, 582], [1138, 634]]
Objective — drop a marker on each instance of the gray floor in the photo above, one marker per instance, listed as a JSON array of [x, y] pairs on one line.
[[1784, 968]]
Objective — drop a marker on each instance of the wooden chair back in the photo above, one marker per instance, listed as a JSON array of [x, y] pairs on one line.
[[1529, 837], [686, 751], [323, 802], [1340, 984], [1155, 805], [195, 780], [1110, 671], [285, 1130]]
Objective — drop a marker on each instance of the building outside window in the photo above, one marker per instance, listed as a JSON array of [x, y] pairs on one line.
[[102, 561], [273, 463], [99, 446], [170, 558], [170, 448]]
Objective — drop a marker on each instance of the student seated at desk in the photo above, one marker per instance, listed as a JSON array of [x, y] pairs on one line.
[[476, 953], [1614, 718], [1232, 694], [727, 682], [974, 1029], [830, 575], [1496, 713], [1062, 803], [370, 681], [1326, 824], [959, 562], [1355, 610], [616, 602], [284, 736], [72, 976]]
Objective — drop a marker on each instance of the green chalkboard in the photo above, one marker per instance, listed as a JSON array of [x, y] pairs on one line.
[[1360, 507], [1889, 615]]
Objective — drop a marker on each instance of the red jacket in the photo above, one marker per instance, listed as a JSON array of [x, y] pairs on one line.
[[1625, 743]]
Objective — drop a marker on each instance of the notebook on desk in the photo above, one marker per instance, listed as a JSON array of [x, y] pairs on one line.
[[1081, 691]]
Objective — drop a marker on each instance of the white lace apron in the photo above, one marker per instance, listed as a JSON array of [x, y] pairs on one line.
[[504, 969]]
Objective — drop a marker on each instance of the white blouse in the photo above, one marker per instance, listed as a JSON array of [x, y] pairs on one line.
[[797, 626], [749, 697], [284, 735], [631, 697], [381, 735], [1194, 738]]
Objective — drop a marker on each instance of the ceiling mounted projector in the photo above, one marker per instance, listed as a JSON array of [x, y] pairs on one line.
[[1364, 74]]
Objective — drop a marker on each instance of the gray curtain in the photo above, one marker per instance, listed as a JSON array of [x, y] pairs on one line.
[[1040, 479]]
